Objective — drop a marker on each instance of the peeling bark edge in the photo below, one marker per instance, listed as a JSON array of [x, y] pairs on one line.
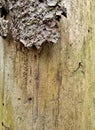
[[33, 22]]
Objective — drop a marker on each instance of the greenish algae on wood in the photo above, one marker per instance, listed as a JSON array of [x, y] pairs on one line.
[[53, 89]]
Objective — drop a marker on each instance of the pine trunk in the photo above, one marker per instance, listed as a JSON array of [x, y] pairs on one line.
[[53, 89]]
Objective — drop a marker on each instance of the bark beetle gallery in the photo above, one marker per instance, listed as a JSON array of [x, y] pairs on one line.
[[32, 22]]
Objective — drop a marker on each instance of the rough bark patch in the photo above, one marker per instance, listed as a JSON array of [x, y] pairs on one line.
[[34, 22]]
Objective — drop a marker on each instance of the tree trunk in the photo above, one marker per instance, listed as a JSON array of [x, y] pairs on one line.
[[53, 89]]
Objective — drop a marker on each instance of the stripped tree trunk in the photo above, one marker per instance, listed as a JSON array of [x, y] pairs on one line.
[[53, 89]]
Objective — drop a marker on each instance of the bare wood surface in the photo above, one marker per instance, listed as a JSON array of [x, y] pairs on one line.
[[53, 89]]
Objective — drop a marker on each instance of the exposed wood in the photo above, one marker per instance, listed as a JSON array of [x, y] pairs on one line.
[[53, 89]]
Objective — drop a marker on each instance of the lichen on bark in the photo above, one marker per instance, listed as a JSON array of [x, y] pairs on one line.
[[3, 27], [33, 22]]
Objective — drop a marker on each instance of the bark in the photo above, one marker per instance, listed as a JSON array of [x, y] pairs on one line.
[[32, 22], [53, 89]]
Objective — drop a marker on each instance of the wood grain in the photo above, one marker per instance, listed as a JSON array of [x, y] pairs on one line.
[[53, 89]]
